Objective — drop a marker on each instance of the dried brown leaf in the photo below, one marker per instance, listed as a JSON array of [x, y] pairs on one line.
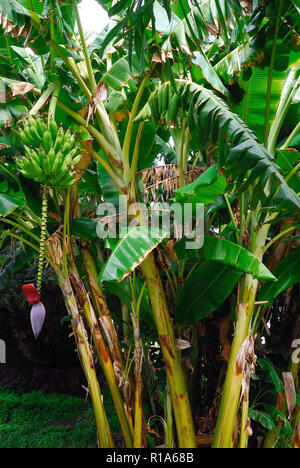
[[290, 391], [245, 364], [156, 58], [100, 94], [182, 344], [19, 89]]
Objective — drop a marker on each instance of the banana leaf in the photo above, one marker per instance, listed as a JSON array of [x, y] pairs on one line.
[[287, 273], [205, 189], [228, 253], [205, 291], [130, 252], [9, 204], [208, 116]]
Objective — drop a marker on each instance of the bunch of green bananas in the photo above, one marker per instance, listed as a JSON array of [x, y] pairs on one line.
[[50, 153]]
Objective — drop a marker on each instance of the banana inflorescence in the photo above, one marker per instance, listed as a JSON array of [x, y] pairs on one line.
[[50, 153]]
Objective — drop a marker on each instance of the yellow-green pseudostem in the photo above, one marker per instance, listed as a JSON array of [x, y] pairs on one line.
[[42, 239]]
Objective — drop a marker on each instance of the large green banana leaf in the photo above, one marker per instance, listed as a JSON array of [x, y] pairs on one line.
[[14, 11], [287, 273], [9, 204], [205, 290], [10, 111], [209, 17], [234, 61], [289, 91], [209, 73], [107, 185], [228, 253], [130, 252], [121, 73], [85, 228], [253, 107], [287, 160], [232, 254], [205, 189], [16, 264], [208, 115], [21, 14]]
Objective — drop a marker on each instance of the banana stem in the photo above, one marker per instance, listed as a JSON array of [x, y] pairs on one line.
[[100, 346], [172, 361], [233, 383], [113, 170], [91, 76], [182, 167], [135, 157], [66, 237], [138, 359], [53, 102], [101, 305], [129, 130], [169, 419], [21, 228], [85, 353], [244, 422], [296, 443], [108, 370], [291, 137]]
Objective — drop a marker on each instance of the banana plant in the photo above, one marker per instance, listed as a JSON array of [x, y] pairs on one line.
[[86, 125]]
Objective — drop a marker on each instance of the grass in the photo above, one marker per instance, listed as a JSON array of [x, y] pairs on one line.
[[39, 420]]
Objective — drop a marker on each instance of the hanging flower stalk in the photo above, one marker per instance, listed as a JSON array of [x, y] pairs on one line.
[[42, 240], [49, 157]]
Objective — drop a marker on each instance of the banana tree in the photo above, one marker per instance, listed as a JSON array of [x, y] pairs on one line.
[[163, 93]]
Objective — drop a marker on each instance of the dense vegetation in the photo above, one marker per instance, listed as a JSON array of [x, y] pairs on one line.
[[175, 101]]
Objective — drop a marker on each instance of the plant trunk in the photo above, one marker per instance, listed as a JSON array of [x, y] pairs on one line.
[[138, 360], [174, 371], [104, 358], [105, 439], [233, 382]]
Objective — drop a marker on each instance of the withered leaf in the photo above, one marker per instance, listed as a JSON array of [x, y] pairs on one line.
[[100, 94], [182, 344], [290, 391], [19, 89]]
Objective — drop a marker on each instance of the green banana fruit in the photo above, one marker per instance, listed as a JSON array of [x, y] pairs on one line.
[[28, 135], [26, 174], [67, 181], [52, 157], [50, 153], [47, 166], [47, 141], [34, 169], [64, 171], [24, 137], [76, 160], [41, 127], [42, 156], [53, 129], [41, 179], [58, 163]]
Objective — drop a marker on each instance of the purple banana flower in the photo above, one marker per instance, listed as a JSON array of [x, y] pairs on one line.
[[37, 317]]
